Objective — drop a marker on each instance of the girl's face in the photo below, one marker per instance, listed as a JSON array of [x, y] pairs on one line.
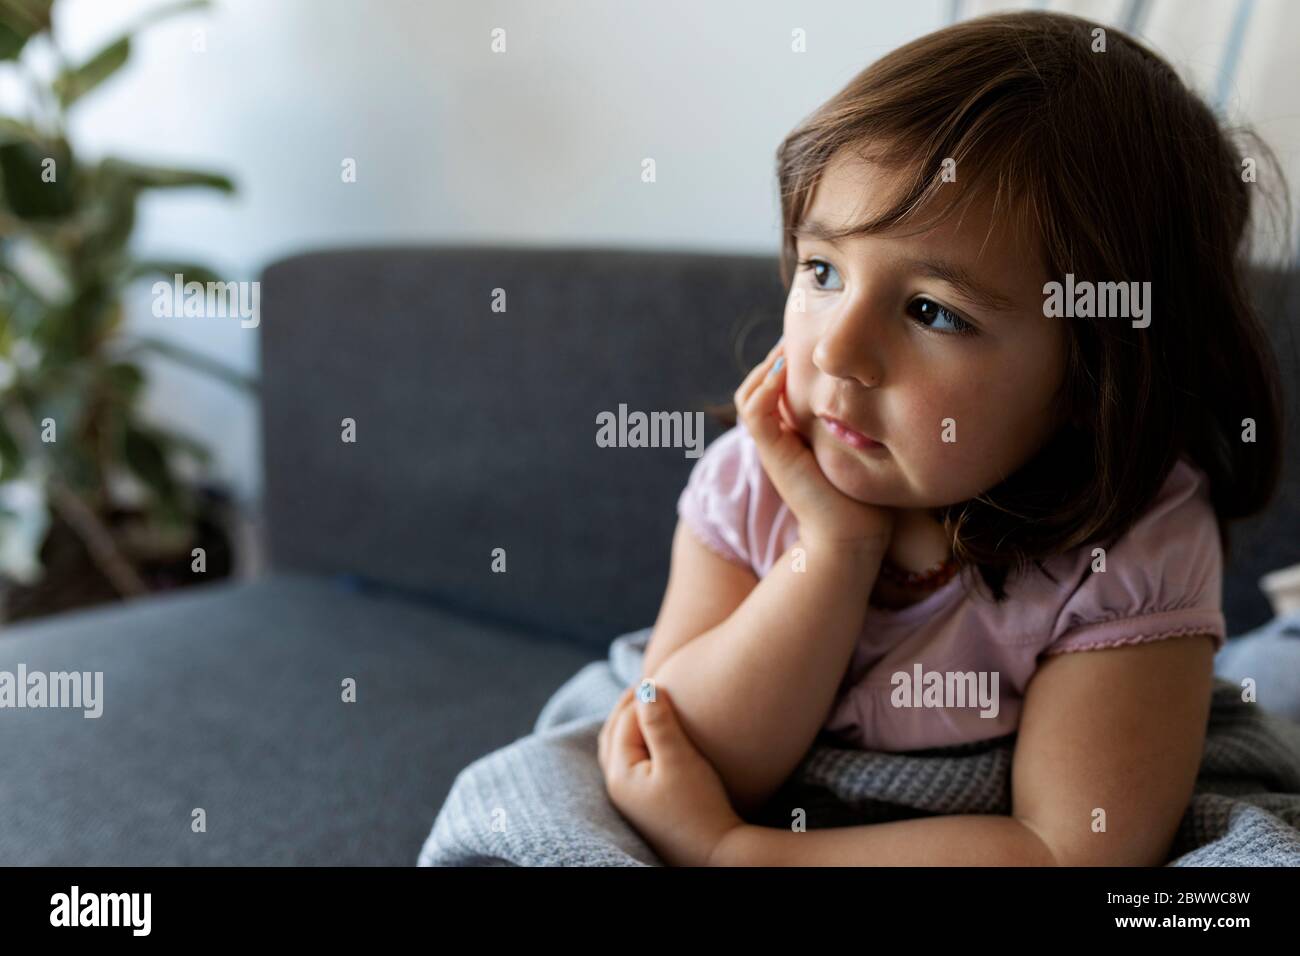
[[914, 339]]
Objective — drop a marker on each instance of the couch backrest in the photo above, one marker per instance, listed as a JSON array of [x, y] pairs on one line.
[[476, 429], [1271, 540]]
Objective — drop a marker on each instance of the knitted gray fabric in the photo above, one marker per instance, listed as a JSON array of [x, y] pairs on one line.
[[541, 800]]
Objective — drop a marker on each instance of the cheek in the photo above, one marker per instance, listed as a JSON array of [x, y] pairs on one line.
[[997, 422], [946, 429]]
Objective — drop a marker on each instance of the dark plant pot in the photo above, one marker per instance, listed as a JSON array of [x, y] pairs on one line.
[[73, 580]]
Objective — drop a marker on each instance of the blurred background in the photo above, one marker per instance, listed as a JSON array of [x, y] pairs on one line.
[[142, 138]]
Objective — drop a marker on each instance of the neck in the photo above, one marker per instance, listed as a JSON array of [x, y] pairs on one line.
[[919, 540]]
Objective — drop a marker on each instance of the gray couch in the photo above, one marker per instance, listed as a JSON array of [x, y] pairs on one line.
[[475, 431]]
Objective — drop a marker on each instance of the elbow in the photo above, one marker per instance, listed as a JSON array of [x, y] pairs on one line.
[[1096, 849], [1046, 854]]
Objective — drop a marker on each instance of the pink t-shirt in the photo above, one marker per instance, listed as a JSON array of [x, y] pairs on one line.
[[953, 668]]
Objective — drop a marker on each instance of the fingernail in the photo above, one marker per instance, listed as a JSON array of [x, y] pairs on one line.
[[777, 367]]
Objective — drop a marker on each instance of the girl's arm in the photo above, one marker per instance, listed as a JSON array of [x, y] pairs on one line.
[[703, 589], [753, 691], [1106, 759]]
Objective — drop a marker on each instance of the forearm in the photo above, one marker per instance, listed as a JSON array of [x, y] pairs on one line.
[[753, 691], [968, 840]]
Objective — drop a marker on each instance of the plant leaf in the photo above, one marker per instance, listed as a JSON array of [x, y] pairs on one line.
[[159, 177], [160, 13], [106, 216], [196, 361], [11, 456], [20, 20], [188, 270], [11, 42], [125, 380], [75, 83], [22, 168], [146, 458], [15, 130]]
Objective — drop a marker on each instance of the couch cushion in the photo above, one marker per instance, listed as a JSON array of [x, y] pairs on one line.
[[228, 697]]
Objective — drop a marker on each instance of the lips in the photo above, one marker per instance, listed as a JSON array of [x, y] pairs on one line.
[[850, 435]]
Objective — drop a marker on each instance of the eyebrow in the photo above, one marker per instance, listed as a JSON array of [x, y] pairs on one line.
[[932, 267], [965, 283], [814, 229]]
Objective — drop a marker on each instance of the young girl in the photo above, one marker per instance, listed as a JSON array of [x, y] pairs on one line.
[[960, 500]]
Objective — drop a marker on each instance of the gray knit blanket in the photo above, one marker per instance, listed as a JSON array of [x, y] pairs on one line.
[[541, 801]]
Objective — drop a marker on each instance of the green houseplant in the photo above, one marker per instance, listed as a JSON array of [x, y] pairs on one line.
[[80, 469]]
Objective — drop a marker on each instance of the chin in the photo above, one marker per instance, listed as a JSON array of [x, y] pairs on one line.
[[850, 475]]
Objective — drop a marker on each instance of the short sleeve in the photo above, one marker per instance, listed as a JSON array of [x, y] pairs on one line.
[[1162, 578], [715, 504]]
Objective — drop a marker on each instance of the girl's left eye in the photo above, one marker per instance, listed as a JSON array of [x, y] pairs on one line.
[[930, 314]]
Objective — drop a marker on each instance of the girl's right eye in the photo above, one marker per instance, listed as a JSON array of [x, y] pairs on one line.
[[812, 266]]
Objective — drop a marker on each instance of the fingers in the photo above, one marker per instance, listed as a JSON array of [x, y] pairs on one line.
[[757, 375], [783, 410], [637, 730], [663, 735], [756, 399], [602, 739], [606, 731], [627, 745]]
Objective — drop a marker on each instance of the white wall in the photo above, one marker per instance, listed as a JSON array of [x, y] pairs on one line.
[[453, 142]]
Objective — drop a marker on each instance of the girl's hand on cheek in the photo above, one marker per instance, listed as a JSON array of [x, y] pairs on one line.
[[824, 513]]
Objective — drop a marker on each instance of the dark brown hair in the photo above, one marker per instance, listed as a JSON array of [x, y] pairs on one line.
[[1122, 174]]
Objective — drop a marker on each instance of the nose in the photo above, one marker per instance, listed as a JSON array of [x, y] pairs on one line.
[[851, 346]]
